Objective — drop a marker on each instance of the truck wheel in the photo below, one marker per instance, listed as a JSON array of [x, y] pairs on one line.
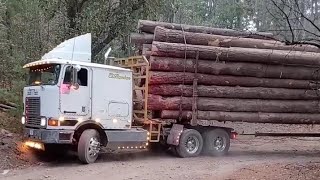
[[216, 142], [190, 144], [89, 146]]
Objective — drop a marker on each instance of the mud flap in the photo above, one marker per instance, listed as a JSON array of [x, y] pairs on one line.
[[175, 133]]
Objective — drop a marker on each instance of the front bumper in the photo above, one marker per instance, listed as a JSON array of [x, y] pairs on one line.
[[48, 136]]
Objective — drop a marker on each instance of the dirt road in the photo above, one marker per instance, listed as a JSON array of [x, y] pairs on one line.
[[249, 158]]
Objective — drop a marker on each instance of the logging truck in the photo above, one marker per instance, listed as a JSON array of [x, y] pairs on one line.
[[71, 101], [186, 82]]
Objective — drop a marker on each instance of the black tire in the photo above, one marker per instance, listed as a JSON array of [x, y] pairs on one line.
[[86, 152], [184, 149], [216, 142]]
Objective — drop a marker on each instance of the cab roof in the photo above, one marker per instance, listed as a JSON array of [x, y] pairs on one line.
[[81, 63]]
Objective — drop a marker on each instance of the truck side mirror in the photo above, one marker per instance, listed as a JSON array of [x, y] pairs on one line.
[[74, 70]]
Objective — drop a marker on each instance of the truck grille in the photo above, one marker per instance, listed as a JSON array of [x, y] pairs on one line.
[[33, 111]]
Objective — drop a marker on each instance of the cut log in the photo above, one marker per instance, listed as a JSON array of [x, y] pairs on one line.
[[177, 36], [204, 79], [156, 102], [235, 54], [147, 46], [149, 27], [147, 54], [276, 118], [7, 106], [4, 109], [146, 49], [235, 69], [141, 38], [235, 92]]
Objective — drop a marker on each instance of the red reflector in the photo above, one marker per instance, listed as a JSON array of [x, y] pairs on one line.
[[234, 135]]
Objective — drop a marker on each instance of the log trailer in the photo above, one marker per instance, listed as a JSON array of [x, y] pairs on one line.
[[89, 106]]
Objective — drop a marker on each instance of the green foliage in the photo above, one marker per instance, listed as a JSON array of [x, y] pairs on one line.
[[7, 97]]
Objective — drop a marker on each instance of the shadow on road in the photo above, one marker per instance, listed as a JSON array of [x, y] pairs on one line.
[[70, 157]]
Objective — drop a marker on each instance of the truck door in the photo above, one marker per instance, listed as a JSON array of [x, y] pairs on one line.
[[76, 101]]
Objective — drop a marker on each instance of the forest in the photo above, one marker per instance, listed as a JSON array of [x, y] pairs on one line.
[[30, 28]]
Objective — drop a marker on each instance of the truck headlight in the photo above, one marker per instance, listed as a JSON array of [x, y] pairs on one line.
[[23, 119], [43, 121], [53, 122]]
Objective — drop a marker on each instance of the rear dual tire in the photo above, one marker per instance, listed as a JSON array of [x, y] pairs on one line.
[[214, 142]]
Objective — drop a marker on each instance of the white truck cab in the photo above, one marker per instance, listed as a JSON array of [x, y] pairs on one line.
[[69, 100]]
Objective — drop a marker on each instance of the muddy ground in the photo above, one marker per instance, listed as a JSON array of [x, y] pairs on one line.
[[249, 158]]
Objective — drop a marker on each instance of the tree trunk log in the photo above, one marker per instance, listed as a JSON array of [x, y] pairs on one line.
[[149, 27], [204, 79], [146, 49], [176, 36], [235, 54], [141, 38], [235, 92], [156, 102], [275, 118], [235, 69]]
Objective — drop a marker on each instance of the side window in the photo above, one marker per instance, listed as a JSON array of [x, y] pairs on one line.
[[83, 77]]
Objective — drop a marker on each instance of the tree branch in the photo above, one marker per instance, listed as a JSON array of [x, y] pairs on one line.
[[305, 42], [121, 16], [287, 19], [303, 16]]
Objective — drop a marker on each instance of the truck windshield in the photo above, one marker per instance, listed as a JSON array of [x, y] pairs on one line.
[[47, 74]]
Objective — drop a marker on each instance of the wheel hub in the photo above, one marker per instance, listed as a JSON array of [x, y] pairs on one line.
[[94, 146], [219, 144], [192, 144]]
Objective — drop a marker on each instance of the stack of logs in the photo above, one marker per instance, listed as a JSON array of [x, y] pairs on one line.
[[7, 106], [204, 73]]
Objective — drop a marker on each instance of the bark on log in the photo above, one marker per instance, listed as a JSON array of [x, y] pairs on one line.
[[275, 118], [176, 36], [156, 102], [149, 27], [141, 38], [204, 79], [235, 54], [235, 69], [235, 92]]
